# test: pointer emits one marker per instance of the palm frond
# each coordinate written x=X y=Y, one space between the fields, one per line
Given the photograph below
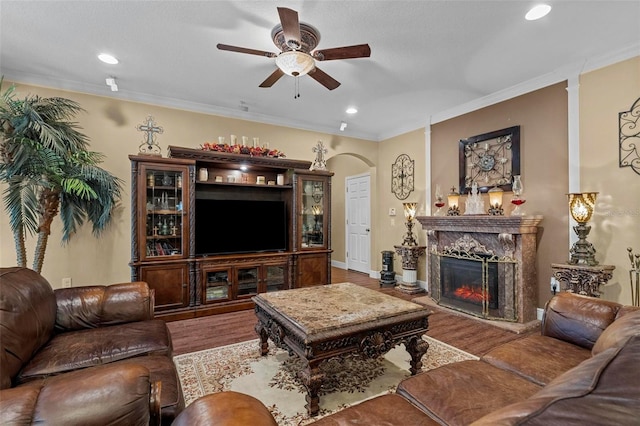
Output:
x=41 y=149
x=21 y=203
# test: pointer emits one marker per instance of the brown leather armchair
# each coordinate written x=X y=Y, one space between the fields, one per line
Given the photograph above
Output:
x=83 y=355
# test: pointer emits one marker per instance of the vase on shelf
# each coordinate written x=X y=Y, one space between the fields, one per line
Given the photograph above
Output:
x=517 y=199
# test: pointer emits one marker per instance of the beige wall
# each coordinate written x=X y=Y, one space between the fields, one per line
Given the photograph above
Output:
x=111 y=124
x=542 y=117
x=604 y=94
x=390 y=230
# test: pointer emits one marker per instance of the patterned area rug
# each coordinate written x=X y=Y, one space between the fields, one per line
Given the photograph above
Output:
x=273 y=380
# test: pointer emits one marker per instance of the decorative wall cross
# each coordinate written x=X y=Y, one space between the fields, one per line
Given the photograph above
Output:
x=319 y=163
x=149 y=144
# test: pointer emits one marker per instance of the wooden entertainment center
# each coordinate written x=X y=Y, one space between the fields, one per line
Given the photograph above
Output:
x=215 y=267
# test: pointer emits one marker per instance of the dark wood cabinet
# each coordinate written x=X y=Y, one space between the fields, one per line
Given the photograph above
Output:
x=313 y=269
x=170 y=282
x=188 y=265
x=228 y=280
x=312 y=243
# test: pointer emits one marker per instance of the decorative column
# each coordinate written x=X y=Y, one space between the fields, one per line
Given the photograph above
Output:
x=410 y=255
x=582 y=279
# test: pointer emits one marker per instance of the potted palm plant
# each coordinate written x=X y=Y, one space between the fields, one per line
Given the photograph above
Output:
x=48 y=169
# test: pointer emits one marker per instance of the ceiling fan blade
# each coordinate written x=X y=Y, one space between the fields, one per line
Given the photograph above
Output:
x=290 y=27
x=275 y=76
x=346 y=52
x=245 y=50
x=323 y=78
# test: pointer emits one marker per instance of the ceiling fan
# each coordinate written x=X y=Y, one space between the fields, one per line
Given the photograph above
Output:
x=296 y=41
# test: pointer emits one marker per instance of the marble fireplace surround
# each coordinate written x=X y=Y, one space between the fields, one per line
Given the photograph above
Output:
x=511 y=238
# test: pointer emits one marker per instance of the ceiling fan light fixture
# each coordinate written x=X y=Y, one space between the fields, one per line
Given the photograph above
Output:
x=295 y=63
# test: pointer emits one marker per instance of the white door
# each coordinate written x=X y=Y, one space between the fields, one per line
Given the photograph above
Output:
x=358 y=223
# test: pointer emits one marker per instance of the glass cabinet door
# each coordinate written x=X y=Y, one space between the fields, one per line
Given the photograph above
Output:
x=247 y=281
x=164 y=221
x=313 y=209
x=217 y=286
x=275 y=277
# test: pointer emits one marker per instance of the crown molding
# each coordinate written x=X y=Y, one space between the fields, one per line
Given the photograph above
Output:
x=556 y=76
x=128 y=95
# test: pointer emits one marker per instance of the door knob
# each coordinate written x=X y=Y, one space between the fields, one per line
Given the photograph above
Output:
x=367 y=229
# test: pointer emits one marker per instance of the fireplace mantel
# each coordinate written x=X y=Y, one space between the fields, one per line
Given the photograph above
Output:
x=482 y=223
x=511 y=239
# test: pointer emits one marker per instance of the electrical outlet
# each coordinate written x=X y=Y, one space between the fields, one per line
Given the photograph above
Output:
x=555 y=285
x=392 y=211
x=66 y=282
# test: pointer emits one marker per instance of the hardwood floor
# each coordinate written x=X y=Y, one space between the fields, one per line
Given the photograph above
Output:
x=213 y=331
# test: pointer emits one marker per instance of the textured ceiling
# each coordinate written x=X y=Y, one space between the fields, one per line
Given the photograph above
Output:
x=426 y=56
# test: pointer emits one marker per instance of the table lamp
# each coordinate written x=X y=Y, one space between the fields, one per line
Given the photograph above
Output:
x=409 y=214
x=581 y=208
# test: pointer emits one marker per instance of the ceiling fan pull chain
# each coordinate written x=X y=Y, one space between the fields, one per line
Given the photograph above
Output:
x=296 y=88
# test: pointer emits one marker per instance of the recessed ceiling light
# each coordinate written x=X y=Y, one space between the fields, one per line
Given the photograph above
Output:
x=352 y=110
x=537 y=12
x=108 y=59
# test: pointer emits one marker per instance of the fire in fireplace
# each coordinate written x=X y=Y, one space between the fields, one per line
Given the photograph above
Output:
x=469 y=284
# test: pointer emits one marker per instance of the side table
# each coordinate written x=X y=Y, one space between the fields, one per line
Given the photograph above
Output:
x=582 y=279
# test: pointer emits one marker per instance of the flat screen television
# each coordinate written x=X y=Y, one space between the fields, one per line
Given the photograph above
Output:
x=240 y=226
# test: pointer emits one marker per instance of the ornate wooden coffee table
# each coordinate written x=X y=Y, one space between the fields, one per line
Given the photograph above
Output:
x=319 y=323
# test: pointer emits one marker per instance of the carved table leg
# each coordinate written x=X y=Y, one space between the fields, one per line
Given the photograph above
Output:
x=416 y=348
x=264 y=336
x=312 y=380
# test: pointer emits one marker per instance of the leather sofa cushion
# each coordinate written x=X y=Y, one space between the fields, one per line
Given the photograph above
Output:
x=27 y=316
x=99 y=396
x=96 y=306
x=603 y=390
x=577 y=319
x=225 y=408
x=537 y=358
x=389 y=409
x=459 y=393
x=17 y=404
x=85 y=348
x=161 y=369
x=618 y=332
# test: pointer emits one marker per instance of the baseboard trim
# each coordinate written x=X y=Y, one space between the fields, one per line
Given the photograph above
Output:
x=339 y=265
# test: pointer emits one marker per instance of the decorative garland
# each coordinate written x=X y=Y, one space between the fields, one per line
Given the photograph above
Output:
x=254 y=151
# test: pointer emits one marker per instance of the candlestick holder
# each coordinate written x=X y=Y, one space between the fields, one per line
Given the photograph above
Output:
x=439 y=202
x=517 y=199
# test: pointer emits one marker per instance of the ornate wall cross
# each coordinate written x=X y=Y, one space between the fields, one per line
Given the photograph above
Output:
x=149 y=144
x=319 y=163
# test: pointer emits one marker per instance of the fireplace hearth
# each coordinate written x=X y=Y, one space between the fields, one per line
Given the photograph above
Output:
x=483 y=265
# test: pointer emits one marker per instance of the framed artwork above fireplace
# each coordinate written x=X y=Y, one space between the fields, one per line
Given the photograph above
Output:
x=490 y=160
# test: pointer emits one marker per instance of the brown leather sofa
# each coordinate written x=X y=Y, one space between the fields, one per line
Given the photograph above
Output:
x=83 y=355
x=583 y=368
